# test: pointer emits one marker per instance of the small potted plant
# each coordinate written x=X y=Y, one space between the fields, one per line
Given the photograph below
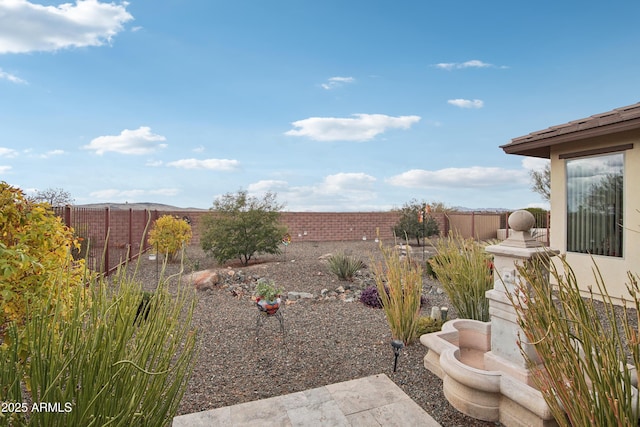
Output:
x=268 y=297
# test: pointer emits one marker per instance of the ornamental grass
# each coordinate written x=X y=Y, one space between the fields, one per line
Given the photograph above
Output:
x=104 y=362
x=400 y=301
x=585 y=379
x=465 y=271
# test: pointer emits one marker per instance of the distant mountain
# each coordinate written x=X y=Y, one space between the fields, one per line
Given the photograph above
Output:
x=137 y=206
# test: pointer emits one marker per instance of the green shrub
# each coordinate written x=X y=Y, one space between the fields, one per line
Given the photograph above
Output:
x=465 y=271
x=101 y=363
x=241 y=226
x=169 y=235
x=427 y=325
x=399 y=283
x=35 y=254
x=344 y=266
x=585 y=380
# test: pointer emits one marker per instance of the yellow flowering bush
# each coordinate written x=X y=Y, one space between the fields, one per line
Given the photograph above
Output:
x=36 y=262
x=169 y=234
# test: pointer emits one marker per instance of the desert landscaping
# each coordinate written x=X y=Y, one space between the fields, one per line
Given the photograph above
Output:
x=329 y=337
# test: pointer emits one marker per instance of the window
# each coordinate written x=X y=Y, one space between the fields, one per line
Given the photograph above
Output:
x=595 y=204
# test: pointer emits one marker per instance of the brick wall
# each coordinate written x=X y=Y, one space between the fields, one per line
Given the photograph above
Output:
x=126 y=227
x=319 y=226
x=322 y=226
x=348 y=226
x=332 y=226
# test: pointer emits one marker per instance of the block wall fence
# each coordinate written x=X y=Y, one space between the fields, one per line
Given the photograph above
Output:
x=343 y=226
x=126 y=228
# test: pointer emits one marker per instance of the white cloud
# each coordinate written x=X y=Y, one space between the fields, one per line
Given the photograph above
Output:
x=4 y=168
x=10 y=77
x=164 y=192
x=138 y=141
x=346 y=182
x=116 y=195
x=534 y=163
x=8 y=152
x=51 y=153
x=342 y=191
x=28 y=27
x=466 y=103
x=211 y=164
x=154 y=163
x=475 y=176
x=268 y=185
x=474 y=63
x=362 y=127
x=335 y=82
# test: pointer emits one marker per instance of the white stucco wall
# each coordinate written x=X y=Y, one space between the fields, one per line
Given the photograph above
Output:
x=613 y=269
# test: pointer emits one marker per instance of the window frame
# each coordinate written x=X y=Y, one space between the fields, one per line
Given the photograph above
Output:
x=593 y=224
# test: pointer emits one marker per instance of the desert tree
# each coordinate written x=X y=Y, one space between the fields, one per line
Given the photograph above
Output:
x=415 y=223
x=240 y=226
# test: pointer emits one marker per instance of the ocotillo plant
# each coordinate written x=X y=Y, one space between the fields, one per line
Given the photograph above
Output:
x=584 y=376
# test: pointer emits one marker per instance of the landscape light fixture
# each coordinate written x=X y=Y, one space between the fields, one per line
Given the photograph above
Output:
x=397 y=345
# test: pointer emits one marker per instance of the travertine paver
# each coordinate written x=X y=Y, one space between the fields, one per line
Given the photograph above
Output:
x=370 y=401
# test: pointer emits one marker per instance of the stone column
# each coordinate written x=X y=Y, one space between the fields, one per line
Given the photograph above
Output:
x=518 y=249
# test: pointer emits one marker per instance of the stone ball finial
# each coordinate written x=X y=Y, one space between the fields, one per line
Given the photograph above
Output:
x=521 y=220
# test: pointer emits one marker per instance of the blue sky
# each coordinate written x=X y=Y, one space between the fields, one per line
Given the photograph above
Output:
x=334 y=105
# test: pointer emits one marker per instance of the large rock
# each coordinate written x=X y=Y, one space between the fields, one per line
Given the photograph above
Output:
x=206 y=279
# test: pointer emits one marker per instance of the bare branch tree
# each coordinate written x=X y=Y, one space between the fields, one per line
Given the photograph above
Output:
x=53 y=196
x=541 y=181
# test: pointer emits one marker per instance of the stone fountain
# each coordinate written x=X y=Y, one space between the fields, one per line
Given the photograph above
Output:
x=483 y=372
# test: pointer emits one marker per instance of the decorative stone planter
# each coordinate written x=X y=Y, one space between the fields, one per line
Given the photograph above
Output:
x=269 y=307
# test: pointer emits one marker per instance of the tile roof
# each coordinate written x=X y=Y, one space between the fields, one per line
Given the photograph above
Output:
x=537 y=144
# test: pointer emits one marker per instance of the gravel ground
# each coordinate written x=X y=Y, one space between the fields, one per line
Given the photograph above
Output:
x=327 y=340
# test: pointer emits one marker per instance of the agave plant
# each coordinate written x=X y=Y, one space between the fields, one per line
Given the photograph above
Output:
x=345 y=266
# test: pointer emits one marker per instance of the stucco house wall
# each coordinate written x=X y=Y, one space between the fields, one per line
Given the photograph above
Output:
x=619 y=128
